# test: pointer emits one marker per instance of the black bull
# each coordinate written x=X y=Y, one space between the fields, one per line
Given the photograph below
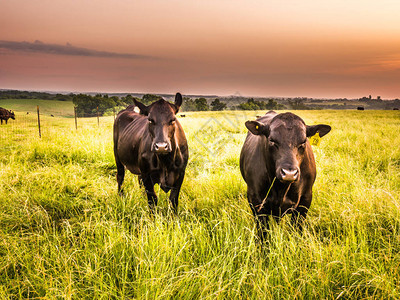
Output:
x=153 y=145
x=277 y=152
x=6 y=114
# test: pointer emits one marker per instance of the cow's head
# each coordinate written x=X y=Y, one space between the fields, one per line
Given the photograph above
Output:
x=287 y=142
x=12 y=115
x=162 y=122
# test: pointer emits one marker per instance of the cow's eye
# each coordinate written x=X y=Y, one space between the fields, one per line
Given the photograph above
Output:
x=272 y=143
x=302 y=146
x=151 y=121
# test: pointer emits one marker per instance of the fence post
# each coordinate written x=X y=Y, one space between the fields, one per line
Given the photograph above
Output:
x=98 y=121
x=76 y=120
x=38 y=117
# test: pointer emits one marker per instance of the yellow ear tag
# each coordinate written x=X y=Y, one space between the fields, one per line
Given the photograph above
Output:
x=315 y=140
x=257 y=127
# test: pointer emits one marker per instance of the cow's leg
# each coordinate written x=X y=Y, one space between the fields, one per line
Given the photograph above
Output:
x=151 y=194
x=300 y=213
x=298 y=217
x=276 y=214
x=174 y=195
x=1 y=121
x=262 y=225
x=260 y=215
x=120 y=175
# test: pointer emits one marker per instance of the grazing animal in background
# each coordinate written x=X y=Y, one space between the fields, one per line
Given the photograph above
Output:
x=277 y=156
x=360 y=108
x=152 y=144
x=6 y=114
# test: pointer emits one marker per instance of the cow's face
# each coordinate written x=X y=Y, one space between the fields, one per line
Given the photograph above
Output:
x=161 y=116
x=286 y=143
x=12 y=115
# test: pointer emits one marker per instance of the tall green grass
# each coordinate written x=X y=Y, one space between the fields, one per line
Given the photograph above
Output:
x=65 y=233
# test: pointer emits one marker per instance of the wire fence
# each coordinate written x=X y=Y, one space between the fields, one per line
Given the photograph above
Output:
x=208 y=133
x=39 y=124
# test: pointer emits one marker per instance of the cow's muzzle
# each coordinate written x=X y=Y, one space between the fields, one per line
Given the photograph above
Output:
x=162 y=148
x=289 y=175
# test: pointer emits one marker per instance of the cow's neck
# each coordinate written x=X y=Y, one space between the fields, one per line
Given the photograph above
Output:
x=167 y=161
x=280 y=190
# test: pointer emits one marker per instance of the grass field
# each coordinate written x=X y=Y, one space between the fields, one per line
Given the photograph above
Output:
x=47 y=107
x=65 y=233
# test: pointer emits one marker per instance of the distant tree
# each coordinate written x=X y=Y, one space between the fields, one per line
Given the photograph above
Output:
x=61 y=97
x=271 y=104
x=89 y=105
x=201 y=104
x=297 y=103
x=365 y=99
x=150 y=98
x=252 y=104
x=128 y=99
x=217 y=105
x=188 y=104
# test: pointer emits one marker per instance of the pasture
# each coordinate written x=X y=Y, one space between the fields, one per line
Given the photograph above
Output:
x=56 y=108
x=65 y=233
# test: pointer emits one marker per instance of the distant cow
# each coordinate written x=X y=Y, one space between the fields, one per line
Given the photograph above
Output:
x=395 y=108
x=153 y=145
x=360 y=108
x=277 y=153
x=6 y=114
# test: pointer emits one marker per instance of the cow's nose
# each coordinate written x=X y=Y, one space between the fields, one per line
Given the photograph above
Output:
x=161 y=147
x=289 y=175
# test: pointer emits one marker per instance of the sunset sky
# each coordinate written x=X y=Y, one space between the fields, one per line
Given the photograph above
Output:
x=255 y=48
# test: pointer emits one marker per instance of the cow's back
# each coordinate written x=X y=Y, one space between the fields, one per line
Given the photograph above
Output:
x=267 y=118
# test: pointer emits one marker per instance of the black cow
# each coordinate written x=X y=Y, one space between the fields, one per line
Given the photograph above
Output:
x=6 y=114
x=277 y=152
x=153 y=145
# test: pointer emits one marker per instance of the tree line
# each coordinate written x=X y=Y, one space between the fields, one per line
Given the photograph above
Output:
x=16 y=94
x=88 y=106
x=91 y=105
x=103 y=104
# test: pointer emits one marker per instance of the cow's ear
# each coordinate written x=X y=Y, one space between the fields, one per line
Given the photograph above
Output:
x=144 y=110
x=178 y=102
x=257 y=128
x=322 y=129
